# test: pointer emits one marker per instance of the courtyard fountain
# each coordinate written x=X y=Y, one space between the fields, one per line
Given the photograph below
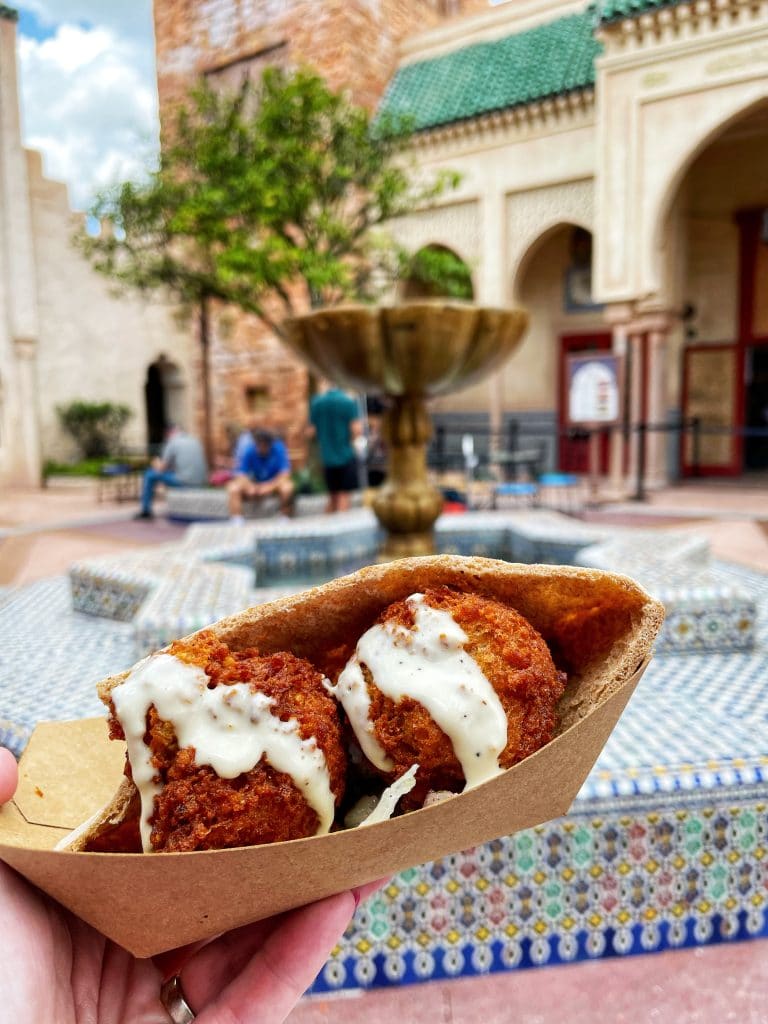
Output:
x=408 y=353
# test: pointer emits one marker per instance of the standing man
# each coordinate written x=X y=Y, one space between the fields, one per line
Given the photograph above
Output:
x=181 y=464
x=264 y=469
x=335 y=421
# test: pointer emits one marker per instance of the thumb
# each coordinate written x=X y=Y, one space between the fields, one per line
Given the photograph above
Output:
x=9 y=775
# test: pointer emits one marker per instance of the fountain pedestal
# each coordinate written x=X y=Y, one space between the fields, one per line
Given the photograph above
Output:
x=408 y=353
x=407 y=504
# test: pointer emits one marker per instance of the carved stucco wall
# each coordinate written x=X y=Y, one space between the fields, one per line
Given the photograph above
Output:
x=532 y=214
x=659 y=109
x=456 y=226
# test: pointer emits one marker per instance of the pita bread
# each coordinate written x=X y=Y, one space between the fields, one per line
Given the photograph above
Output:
x=600 y=627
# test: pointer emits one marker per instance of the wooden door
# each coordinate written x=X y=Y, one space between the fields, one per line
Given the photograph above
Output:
x=573 y=449
x=713 y=394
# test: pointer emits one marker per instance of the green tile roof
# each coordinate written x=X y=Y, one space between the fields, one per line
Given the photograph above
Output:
x=614 y=10
x=544 y=61
x=9 y=13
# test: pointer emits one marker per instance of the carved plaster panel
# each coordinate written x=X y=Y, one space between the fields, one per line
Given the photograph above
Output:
x=456 y=226
x=530 y=214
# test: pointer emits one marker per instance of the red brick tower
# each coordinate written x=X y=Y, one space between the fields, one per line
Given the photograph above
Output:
x=354 y=44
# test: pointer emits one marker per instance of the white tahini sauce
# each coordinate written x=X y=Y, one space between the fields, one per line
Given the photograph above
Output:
x=387 y=802
x=230 y=727
x=429 y=664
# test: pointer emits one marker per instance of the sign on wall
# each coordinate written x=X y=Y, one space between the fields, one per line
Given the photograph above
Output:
x=593 y=388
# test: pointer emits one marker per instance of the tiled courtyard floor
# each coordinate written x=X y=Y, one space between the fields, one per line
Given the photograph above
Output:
x=41 y=533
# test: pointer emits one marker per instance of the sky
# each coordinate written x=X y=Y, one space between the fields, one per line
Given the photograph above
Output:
x=87 y=90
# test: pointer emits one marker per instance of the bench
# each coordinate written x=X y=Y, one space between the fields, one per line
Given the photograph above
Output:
x=118 y=481
x=200 y=503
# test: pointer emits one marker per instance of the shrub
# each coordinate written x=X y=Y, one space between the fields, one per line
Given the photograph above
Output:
x=95 y=426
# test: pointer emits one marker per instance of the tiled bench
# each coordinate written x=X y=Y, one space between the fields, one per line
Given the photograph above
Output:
x=203 y=503
x=702 y=614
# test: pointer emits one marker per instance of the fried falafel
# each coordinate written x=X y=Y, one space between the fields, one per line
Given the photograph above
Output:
x=267 y=763
x=459 y=684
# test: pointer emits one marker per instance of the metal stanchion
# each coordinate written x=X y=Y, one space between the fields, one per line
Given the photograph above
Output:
x=642 y=431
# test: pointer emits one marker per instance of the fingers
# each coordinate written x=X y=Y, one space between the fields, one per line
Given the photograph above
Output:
x=9 y=775
x=207 y=972
x=208 y=968
x=363 y=892
x=278 y=973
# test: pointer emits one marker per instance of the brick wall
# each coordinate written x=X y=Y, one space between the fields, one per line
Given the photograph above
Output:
x=354 y=44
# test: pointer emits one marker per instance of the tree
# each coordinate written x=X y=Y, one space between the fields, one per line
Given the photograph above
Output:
x=265 y=199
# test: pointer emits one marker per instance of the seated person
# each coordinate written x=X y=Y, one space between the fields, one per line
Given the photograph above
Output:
x=181 y=464
x=245 y=441
x=263 y=470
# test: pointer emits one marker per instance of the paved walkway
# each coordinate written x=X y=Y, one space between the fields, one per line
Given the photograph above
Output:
x=734 y=517
x=709 y=985
x=42 y=532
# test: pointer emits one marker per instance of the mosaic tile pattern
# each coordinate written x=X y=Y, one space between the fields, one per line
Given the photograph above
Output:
x=707 y=617
x=189 y=597
x=663 y=848
x=51 y=659
x=594 y=884
x=674 y=565
x=222 y=542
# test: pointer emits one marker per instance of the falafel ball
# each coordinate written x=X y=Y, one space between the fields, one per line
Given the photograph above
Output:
x=509 y=652
x=197 y=809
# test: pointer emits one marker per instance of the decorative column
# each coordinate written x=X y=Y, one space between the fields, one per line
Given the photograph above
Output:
x=634 y=403
x=656 y=474
x=18 y=288
x=492 y=289
x=616 y=465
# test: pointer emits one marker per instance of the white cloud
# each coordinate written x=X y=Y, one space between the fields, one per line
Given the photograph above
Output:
x=88 y=95
x=126 y=18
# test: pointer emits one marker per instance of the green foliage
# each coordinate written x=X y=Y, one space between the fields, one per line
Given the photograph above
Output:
x=435 y=271
x=95 y=426
x=84 y=467
x=265 y=199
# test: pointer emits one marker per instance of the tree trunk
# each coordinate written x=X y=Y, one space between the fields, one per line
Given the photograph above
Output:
x=205 y=379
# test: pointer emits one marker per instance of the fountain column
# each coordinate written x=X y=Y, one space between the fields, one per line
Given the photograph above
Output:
x=407 y=504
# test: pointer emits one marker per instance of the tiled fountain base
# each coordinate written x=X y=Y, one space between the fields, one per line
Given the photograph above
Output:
x=170 y=590
x=665 y=846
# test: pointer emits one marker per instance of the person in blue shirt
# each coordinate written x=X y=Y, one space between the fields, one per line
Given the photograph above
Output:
x=263 y=470
x=335 y=420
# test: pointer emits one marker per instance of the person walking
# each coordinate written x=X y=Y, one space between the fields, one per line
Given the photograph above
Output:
x=181 y=464
x=335 y=421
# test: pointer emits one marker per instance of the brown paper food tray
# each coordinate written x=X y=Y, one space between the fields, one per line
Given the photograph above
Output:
x=149 y=903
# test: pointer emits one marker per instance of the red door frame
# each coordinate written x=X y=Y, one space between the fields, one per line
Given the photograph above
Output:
x=598 y=341
x=749 y=222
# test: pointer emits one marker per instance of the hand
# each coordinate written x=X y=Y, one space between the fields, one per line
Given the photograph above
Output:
x=54 y=967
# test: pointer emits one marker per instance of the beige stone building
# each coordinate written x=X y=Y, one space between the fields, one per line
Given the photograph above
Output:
x=613 y=160
x=63 y=334
x=614 y=181
x=639 y=133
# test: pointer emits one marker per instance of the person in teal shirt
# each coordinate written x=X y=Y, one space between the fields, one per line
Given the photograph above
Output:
x=335 y=421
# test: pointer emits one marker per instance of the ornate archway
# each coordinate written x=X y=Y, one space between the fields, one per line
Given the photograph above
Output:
x=437 y=270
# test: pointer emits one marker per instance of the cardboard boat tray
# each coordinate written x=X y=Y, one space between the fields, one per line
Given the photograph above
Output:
x=599 y=624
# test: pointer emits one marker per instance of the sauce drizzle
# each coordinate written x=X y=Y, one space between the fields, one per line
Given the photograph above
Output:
x=230 y=728
x=428 y=664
